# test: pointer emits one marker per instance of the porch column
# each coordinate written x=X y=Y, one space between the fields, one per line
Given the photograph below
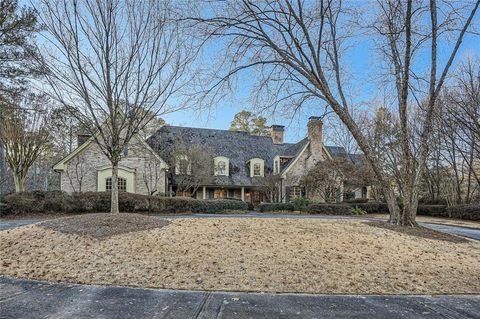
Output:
x=243 y=194
x=204 y=189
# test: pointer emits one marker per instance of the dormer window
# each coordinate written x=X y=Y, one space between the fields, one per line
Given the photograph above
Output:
x=276 y=165
x=257 y=167
x=182 y=165
x=221 y=168
x=221 y=165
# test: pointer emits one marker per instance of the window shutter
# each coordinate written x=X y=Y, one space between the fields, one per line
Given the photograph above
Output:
x=287 y=194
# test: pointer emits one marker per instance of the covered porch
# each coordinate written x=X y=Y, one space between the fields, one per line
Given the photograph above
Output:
x=246 y=194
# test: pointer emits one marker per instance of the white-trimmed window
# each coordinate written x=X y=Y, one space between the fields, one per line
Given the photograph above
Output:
x=257 y=167
x=122 y=184
x=182 y=165
x=295 y=192
x=221 y=166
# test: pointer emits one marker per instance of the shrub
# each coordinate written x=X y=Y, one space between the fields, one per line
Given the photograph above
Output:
x=300 y=203
x=275 y=207
x=431 y=210
x=329 y=209
x=358 y=212
x=371 y=207
x=466 y=211
x=428 y=201
x=94 y=202
x=357 y=200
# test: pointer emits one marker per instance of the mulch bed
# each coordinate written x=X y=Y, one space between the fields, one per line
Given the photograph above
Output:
x=420 y=231
x=104 y=225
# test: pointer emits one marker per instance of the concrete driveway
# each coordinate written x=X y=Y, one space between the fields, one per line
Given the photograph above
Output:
x=35 y=299
x=7 y=223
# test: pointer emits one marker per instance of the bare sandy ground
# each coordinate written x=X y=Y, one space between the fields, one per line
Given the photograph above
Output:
x=274 y=255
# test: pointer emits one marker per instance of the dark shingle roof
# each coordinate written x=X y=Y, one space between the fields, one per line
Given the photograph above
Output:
x=238 y=147
x=357 y=159
x=338 y=151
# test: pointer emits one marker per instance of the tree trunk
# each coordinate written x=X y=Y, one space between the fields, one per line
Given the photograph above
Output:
x=19 y=180
x=114 y=202
x=410 y=205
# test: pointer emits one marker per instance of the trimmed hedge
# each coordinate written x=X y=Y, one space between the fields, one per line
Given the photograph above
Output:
x=371 y=207
x=94 y=202
x=275 y=207
x=324 y=209
x=329 y=209
x=467 y=211
x=431 y=210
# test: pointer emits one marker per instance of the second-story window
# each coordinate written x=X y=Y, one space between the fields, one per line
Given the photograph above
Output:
x=183 y=166
x=221 y=164
x=257 y=171
x=221 y=168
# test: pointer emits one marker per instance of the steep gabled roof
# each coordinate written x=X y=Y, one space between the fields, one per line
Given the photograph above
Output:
x=338 y=151
x=238 y=147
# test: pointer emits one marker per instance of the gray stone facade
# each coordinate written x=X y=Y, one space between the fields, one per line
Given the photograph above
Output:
x=312 y=153
x=81 y=172
x=146 y=162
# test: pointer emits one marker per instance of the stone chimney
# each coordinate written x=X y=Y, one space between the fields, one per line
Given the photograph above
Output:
x=82 y=138
x=315 y=135
x=276 y=132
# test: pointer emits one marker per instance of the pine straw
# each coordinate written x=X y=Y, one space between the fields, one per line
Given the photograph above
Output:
x=274 y=255
x=104 y=225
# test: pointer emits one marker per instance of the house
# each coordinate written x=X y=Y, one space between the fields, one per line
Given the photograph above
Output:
x=242 y=162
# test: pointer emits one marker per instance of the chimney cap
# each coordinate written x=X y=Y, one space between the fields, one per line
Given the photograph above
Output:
x=315 y=118
x=276 y=127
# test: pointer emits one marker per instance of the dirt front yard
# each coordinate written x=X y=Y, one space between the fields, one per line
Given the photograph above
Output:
x=274 y=255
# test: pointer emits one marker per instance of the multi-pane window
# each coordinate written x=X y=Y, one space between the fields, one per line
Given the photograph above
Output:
x=122 y=184
x=295 y=192
x=256 y=169
x=276 y=167
x=183 y=166
x=221 y=168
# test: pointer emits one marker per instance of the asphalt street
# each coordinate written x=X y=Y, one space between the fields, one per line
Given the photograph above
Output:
x=34 y=299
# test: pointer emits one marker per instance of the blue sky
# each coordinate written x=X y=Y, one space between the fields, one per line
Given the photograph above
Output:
x=361 y=62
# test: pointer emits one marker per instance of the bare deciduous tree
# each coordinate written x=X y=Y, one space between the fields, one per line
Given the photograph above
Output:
x=152 y=175
x=118 y=63
x=23 y=134
x=193 y=168
x=77 y=169
x=270 y=186
x=298 y=50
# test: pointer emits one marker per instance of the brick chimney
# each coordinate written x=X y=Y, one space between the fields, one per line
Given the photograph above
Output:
x=315 y=135
x=82 y=138
x=276 y=132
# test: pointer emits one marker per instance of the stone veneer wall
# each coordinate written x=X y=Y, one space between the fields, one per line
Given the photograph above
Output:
x=92 y=158
x=307 y=160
